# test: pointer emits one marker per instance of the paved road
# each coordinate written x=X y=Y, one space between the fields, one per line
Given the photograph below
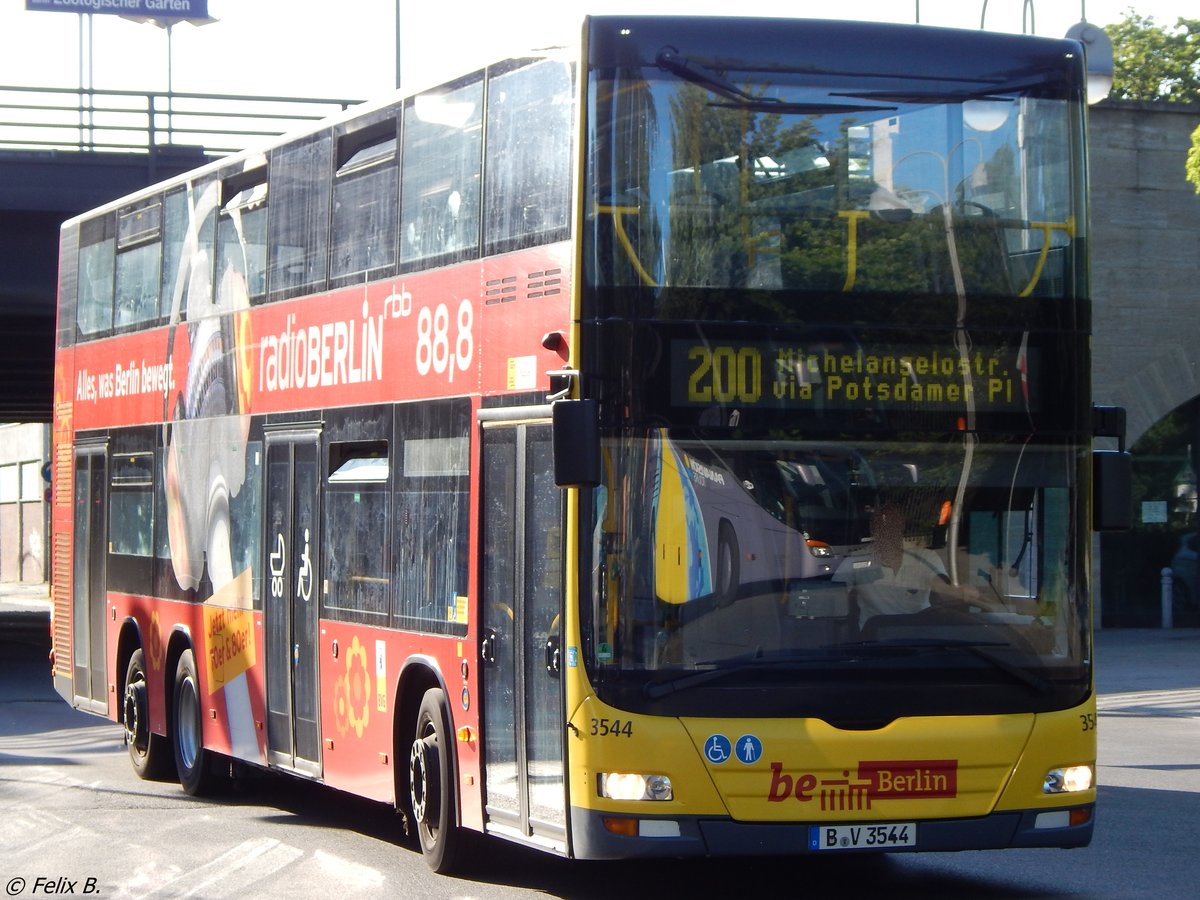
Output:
x=70 y=806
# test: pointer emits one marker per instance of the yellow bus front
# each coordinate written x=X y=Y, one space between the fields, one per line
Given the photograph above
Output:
x=831 y=592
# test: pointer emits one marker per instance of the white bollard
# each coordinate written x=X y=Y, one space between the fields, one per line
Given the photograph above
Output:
x=1168 y=589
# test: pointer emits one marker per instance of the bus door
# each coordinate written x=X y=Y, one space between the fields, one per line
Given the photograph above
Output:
x=292 y=563
x=521 y=522
x=89 y=589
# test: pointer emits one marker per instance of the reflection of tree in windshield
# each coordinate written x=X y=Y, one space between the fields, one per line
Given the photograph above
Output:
x=770 y=184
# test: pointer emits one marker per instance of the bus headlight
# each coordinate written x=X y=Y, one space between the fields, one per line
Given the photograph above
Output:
x=1068 y=780
x=628 y=786
x=819 y=549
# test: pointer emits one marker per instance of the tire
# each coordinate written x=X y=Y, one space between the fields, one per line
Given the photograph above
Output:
x=193 y=763
x=431 y=784
x=728 y=573
x=147 y=750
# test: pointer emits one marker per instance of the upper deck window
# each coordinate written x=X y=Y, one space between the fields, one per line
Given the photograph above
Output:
x=299 y=223
x=241 y=258
x=439 y=196
x=97 y=250
x=530 y=120
x=779 y=169
x=139 y=264
x=174 y=236
x=365 y=200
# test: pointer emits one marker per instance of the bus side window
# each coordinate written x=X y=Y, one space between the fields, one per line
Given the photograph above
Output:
x=241 y=253
x=439 y=193
x=131 y=513
x=174 y=236
x=527 y=164
x=97 y=251
x=189 y=245
x=299 y=223
x=432 y=509
x=357 y=517
x=365 y=191
x=139 y=265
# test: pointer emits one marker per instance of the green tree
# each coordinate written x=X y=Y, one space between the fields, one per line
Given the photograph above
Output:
x=1153 y=62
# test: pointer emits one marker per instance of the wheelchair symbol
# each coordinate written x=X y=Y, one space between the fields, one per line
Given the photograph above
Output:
x=304 y=580
x=717 y=749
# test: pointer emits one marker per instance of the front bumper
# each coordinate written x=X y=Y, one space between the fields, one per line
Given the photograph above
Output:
x=659 y=837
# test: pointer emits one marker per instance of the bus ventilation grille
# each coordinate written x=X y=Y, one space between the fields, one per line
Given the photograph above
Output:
x=547 y=283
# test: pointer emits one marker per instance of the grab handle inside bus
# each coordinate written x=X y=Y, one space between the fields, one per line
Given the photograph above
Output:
x=576 y=443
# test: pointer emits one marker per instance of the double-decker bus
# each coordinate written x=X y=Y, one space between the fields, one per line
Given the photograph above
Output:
x=513 y=452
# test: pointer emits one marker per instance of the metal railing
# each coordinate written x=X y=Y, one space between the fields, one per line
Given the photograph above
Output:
x=40 y=118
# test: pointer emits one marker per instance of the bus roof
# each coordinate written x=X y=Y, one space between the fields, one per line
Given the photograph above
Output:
x=941 y=55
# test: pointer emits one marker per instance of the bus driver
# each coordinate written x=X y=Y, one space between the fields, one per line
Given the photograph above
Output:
x=902 y=578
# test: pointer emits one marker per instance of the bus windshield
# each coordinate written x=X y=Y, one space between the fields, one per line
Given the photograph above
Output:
x=834 y=318
x=789 y=561
x=729 y=172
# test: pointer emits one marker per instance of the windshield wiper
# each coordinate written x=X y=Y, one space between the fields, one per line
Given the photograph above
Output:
x=670 y=59
x=978 y=649
x=656 y=690
x=988 y=91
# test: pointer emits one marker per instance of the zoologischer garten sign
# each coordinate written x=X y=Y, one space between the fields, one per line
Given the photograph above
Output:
x=156 y=9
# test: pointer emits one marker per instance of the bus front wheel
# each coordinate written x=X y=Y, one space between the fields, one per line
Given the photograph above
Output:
x=431 y=785
x=147 y=750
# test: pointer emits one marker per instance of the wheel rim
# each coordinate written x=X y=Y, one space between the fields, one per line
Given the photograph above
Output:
x=189 y=724
x=423 y=766
x=135 y=703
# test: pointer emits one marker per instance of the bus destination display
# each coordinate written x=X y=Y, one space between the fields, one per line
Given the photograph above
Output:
x=847 y=376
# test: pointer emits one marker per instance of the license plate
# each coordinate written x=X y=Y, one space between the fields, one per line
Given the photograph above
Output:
x=862 y=837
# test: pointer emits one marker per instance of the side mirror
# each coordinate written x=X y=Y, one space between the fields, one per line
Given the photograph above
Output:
x=1112 y=490
x=1112 y=473
x=576 y=443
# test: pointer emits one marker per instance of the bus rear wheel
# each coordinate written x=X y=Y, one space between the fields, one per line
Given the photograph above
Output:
x=147 y=750
x=431 y=785
x=192 y=762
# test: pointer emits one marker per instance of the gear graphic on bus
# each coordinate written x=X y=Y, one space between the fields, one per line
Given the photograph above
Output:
x=341 y=706
x=358 y=687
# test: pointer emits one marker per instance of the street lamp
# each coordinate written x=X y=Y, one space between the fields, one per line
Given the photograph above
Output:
x=1098 y=53
x=166 y=24
x=1027 y=25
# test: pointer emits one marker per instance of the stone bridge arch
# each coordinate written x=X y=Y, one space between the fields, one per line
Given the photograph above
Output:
x=1145 y=245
